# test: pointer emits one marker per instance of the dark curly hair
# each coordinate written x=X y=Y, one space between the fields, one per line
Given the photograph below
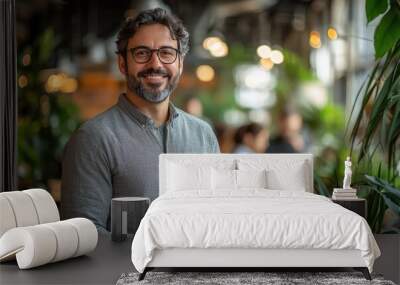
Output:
x=148 y=17
x=251 y=128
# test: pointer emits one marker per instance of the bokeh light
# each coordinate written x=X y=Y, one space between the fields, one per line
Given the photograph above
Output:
x=26 y=59
x=22 y=81
x=218 y=49
x=277 y=56
x=315 y=39
x=205 y=73
x=210 y=41
x=332 y=34
x=264 y=51
x=266 y=63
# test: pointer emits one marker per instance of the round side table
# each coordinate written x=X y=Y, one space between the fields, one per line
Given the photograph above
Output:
x=126 y=214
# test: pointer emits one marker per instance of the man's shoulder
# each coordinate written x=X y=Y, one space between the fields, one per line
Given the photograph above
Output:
x=193 y=121
x=97 y=128
x=100 y=122
x=198 y=132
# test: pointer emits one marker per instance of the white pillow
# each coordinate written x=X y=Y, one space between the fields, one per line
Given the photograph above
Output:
x=226 y=179
x=289 y=179
x=223 y=179
x=282 y=174
x=251 y=178
x=183 y=178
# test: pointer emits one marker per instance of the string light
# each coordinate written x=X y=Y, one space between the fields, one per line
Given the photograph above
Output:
x=210 y=41
x=332 y=33
x=266 y=63
x=315 y=39
x=26 y=59
x=205 y=73
x=61 y=82
x=264 y=51
x=219 y=49
x=277 y=56
x=22 y=81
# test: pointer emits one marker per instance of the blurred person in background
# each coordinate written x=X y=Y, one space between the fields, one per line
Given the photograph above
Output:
x=289 y=138
x=251 y=138
x=194 y=106
x=224 y=135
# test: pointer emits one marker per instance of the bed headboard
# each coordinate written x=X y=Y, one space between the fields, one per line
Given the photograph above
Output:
x=215 y=159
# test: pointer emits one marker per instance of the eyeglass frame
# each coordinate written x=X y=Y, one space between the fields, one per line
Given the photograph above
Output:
x=132 y=50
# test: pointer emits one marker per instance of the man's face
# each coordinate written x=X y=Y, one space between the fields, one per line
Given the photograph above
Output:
x=154 y=81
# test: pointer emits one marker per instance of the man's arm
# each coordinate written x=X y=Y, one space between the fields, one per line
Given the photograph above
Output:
x=86 y=180
x=214 y=145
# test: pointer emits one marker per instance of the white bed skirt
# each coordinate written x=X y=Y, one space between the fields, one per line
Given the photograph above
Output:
x=193 y=257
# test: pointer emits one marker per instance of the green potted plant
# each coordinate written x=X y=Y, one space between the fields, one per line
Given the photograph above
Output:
x=375 y=133
x=46 y=118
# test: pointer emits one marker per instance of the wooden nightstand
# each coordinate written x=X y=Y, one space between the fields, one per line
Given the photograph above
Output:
x=358 y=205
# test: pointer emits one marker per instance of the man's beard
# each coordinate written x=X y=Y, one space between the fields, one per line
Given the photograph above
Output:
x=149 y=94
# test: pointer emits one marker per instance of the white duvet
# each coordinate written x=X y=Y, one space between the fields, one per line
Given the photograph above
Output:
x=253 y=218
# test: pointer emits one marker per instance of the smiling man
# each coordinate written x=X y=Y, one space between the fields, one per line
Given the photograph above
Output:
x=116 y=153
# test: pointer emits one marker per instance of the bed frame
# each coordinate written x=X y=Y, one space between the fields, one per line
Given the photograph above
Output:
x=248 y=259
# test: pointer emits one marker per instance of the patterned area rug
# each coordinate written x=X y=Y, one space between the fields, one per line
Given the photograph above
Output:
x=229 y=278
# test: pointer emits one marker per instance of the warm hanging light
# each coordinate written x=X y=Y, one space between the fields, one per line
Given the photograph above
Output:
x=266 y=63
x=26 y=59
x=61 y=82
x=22 y=81
x=219 y=49
x=205 y=73
x=277 y=56
x=69 y=85
x=210 y=41
x=315 y=39
x=264 y=51
x=332 y=33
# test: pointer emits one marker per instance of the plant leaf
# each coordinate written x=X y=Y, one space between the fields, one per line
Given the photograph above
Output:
x=383 y=184
x=392 y=205
x=320 y=186
x=374 y=8
x=393 y=136
x=391 y=230
x=379 y=106
x=370 y=89
x=388 y=31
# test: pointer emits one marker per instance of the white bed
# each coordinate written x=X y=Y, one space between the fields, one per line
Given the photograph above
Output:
x=220 y=210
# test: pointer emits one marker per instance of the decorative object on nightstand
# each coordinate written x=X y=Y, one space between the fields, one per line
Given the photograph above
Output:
x=346 y=192
x=357 y=205
x=126 y=214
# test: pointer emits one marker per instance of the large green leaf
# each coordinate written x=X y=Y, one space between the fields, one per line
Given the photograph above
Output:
x=394 y=130
x=370 y=89
x=390 y=195
x=374 y=8
x=379 y=107
x=383 y=184
x=388 y=31
x=391 y=204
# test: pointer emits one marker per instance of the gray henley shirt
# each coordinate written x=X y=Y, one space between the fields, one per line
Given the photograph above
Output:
x=116 y=154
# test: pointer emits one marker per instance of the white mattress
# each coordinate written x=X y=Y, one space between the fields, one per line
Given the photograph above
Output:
x=252 y=218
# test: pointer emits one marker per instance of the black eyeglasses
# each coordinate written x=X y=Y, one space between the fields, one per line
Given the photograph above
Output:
x=143 y=54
